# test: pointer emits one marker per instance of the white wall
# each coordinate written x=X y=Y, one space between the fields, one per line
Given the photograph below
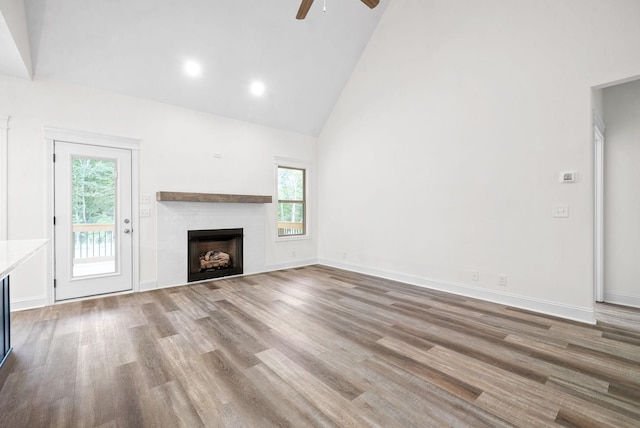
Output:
x=177 y=154
x=621 y=196
x=443 y=154
x=597 y=102
x=14 y=39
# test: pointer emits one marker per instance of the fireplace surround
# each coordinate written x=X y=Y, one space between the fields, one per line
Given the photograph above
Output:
x=176 y=218
x=214 y=253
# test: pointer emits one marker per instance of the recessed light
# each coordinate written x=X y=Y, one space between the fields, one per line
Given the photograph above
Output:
x=257 y=88
x=192 y=68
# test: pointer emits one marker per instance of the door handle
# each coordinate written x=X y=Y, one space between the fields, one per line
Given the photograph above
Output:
x=127 y=231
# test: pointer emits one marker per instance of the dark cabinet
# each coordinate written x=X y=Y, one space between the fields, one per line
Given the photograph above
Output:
x=5 y=320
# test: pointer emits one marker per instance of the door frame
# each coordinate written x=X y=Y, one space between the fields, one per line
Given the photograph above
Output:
x=80 y=137
x=598 y=147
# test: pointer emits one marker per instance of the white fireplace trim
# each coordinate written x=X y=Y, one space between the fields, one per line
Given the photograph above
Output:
x=174 y=219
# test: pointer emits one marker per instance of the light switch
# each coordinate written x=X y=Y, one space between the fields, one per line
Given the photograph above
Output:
x=145 y=212
x=145 y=199
x=561 y=211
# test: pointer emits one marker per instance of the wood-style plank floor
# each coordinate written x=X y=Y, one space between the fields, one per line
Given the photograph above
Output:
x=313 y=347
x=616 y=315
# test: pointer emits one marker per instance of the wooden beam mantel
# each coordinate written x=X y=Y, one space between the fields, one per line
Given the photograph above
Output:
x=212 y=197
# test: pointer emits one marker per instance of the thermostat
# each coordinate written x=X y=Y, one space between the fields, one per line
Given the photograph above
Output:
x=569 y=177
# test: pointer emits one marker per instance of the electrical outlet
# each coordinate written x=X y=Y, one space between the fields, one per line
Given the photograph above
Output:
x=145 y=199
x=502 y=279
x=145 y=212
x=293 y=254
x=344 y=255
x=475 y=275
x=561 y=211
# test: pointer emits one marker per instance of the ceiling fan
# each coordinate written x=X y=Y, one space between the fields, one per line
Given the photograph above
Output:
x=306 y=5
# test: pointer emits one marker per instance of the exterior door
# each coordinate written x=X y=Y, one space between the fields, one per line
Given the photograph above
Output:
x=92 y=212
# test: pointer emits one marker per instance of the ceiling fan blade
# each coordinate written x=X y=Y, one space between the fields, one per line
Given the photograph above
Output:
x=371 y=3
x=304 y=8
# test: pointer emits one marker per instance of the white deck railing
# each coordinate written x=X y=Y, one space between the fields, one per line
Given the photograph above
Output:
x=93 y=242
x=288 y=228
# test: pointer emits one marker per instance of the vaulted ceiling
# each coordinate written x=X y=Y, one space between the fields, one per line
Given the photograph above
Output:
x=139 y=48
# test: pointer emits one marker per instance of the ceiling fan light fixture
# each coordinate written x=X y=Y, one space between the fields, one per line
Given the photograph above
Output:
x=305 y=5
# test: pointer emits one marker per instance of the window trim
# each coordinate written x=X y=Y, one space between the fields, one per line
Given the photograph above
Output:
x=282 y=162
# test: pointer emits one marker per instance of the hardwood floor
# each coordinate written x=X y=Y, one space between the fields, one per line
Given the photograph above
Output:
x=313 y=347
x=618 y=316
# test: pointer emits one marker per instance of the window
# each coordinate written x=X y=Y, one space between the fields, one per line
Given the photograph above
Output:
x=291 y=201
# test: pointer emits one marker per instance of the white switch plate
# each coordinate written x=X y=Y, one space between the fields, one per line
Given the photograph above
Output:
x=502 y=279
x=475 y=275
x=145 y=212
x=145 y=199
x=561 y=211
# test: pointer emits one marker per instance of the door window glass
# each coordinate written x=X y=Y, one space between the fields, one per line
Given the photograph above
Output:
x=93 y=212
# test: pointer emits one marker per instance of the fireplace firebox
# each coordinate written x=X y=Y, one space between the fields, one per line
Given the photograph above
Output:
x=214 y=253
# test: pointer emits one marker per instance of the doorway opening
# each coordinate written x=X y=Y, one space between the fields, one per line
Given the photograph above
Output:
x=616 y=200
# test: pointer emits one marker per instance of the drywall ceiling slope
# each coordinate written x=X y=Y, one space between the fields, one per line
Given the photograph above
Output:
x=15 y=55
x=139 y=48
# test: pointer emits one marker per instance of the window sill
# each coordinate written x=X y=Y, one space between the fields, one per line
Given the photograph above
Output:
x=293 y=238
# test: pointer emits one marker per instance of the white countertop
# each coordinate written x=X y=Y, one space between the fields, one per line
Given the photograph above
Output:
x=14 y=252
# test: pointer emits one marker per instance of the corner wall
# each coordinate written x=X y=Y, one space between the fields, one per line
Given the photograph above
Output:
x=443 y=155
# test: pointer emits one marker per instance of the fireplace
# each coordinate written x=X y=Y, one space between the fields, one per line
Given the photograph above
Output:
x=214 y=253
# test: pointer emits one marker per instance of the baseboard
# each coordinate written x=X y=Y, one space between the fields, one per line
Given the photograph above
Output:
x=28 y=303
x=585 y=315
x=148 y=285
x=290 y=265
x=622 y=299
x=575 y=313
